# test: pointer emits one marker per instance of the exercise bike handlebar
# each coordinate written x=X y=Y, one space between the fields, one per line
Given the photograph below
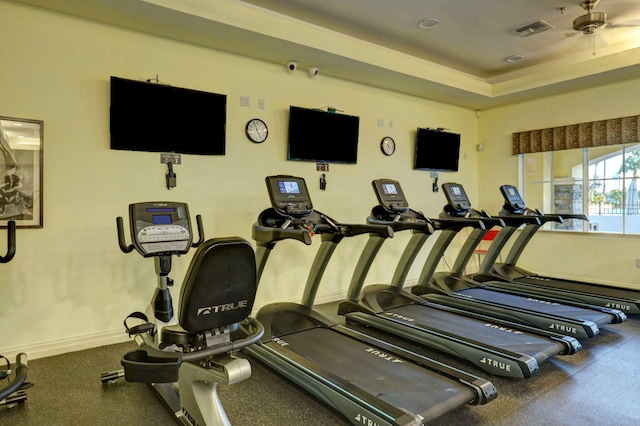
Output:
x=11 y=242
x=121 y=240
x=200 y=232
x=258 y=331
x=21 y=376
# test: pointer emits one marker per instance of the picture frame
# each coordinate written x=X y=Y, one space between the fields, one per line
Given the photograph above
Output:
x=21 y=167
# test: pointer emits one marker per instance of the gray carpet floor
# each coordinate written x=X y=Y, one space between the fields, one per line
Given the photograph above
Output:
x=598 y=386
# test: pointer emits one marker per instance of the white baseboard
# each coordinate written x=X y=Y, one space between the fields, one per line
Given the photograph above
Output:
x=78 y=343
x=72 y=344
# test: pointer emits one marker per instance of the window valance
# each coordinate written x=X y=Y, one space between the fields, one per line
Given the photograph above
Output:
x=584 y=135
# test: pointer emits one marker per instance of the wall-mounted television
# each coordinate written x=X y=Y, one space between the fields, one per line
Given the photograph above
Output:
x=437 y=150
x=321 y=136
x=159 y=118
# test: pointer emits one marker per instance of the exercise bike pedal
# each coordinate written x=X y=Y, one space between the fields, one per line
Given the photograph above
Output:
x=145 y=327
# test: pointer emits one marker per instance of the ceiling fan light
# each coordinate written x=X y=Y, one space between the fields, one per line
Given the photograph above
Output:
x=589 y=22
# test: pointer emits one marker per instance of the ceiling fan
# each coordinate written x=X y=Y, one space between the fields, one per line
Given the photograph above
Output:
x=588 y=23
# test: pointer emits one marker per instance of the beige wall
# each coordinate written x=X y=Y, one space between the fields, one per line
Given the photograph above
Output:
x=69 y=286
x=599 y=258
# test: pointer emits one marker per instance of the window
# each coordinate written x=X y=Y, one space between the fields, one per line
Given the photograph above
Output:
x=601 y=182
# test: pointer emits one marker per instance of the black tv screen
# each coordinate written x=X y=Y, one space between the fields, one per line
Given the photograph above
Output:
x=437 y=150
x=159 y=118
x=320 y=136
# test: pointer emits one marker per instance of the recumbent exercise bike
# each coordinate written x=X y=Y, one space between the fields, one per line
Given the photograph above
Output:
x=195 y=348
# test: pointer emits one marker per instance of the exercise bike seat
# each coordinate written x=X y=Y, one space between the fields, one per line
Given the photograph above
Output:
x=218 y=290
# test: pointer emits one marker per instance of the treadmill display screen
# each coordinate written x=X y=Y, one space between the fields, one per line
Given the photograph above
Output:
x=289 y=195
x=390 y=195
x=456 y=196
x=288 y=187
x=389 y=188
x=512 y=196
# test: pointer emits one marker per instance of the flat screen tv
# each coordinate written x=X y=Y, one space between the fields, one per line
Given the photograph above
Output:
x=437 y=150
x=320 y=136
x=160 y=118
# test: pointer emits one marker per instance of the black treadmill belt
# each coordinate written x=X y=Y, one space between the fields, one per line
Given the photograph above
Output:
x=393 y=380
x=619 y=293
x=567 y=311
x=490 y=334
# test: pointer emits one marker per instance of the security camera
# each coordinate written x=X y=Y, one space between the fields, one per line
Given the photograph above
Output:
x=292 y=65
x=313 y=71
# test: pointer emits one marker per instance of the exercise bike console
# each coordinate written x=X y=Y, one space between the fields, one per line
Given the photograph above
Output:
x=159 y=228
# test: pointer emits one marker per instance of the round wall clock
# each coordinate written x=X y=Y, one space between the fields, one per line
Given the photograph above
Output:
x=388 y=145
x=256 y=130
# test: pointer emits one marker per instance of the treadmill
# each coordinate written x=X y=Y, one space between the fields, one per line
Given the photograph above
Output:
x=456 y=290
x=367 y=380
x=508 y=276
x=498 y=347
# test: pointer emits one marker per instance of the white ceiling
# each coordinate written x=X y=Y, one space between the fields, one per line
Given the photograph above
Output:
x=461 y=61
x=474 y=36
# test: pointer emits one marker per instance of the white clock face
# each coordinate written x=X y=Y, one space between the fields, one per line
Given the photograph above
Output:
x=388 y=146
x=257 y=130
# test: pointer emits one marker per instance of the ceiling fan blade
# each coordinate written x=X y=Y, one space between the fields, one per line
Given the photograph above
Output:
x=626 y=23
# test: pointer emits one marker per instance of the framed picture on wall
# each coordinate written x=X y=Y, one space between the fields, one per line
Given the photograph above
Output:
x=21 y=157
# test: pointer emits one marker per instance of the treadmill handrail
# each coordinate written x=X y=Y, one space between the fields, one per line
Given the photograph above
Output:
x=516 y=220
x=457 y=223
x=422 y=227
x=571 y=216
x=267 y=235
x=349 y=230
x=490 y=222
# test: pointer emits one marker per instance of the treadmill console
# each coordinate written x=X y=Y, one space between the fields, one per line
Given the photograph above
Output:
x=390 y=195
x=457 y=198
x=159 y=228
x=512 y=199
x=289 y=195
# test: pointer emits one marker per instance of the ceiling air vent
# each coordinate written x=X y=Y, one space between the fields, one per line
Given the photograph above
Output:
x=535 y=28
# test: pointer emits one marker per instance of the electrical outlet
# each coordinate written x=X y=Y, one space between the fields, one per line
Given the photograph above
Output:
x=380 y=122
x=245 y=101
